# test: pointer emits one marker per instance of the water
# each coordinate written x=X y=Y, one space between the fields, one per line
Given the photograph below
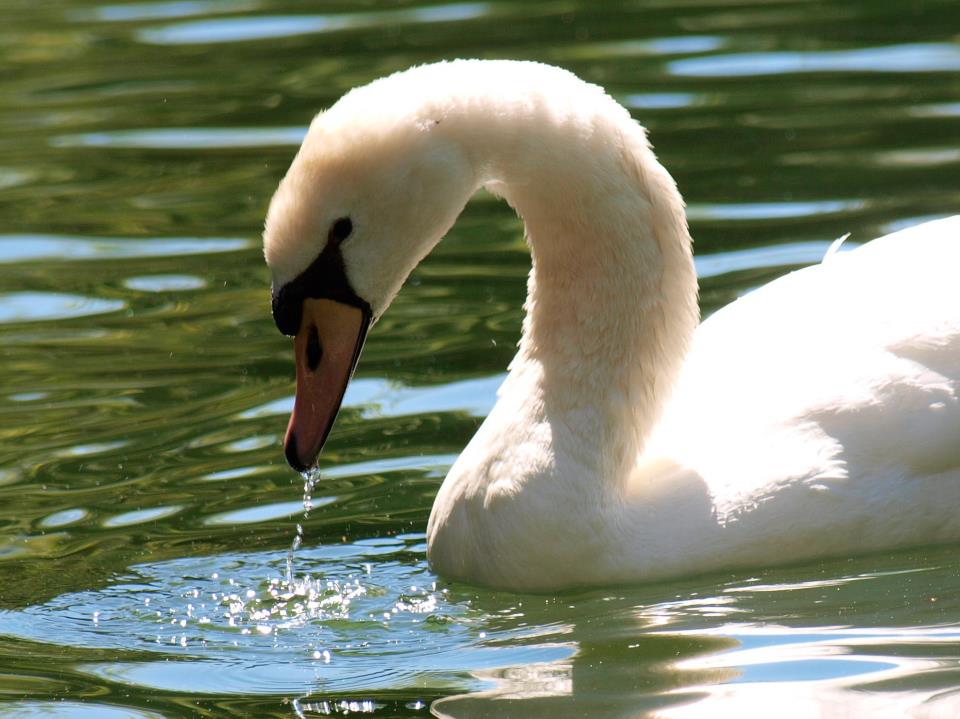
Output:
x=147 y=515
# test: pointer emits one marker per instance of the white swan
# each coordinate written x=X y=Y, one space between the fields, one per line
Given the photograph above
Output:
x=818 y=415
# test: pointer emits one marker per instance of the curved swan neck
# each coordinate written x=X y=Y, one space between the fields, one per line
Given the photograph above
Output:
x=612 y=293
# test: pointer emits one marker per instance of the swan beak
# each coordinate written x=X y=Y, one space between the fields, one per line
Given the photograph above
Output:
x=327 y=348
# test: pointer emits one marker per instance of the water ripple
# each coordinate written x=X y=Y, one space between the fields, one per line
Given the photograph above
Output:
x=264 y=27
x=141 y=516
x=381 y=398
x=917 y=57
x=769 y=210
x=165 y=283
x=164 y=10
x=187 y=138
x=72 y=710
x=654 y=47
x=264 y=512
x=661 y=100
x=64 y=517
x=24 y=248
x=39 y=306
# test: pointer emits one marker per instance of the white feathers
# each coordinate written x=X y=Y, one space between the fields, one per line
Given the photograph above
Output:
x=834 y=247
x=817 y=415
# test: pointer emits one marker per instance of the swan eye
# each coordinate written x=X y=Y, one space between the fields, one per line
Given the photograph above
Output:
x=341 y=230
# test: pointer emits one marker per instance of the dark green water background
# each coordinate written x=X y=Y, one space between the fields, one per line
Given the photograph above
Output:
x=145 y=508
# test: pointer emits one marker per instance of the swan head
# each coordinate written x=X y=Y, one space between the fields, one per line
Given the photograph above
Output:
x=375 y=185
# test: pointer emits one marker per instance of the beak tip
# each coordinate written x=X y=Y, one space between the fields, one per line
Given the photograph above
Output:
x=293 y=456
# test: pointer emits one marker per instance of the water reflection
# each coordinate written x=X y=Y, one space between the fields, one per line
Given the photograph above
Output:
x=771 y=210
x=165 y=283
x=146 y=386
x=729 y=669
x=946 y=109
x=24 y=248
x=37 y=306
x=231 y=625
x=193 y=138
x=137 y=11
x=661 y=46
x=64 y=518
x=265 y=512
x=263 y=27
x=918 y=57
x=799 y=700
x=72 y=710
x=140 y=516
x=661 y=100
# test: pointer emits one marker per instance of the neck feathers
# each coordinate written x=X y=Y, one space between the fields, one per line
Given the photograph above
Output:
x=612 y=299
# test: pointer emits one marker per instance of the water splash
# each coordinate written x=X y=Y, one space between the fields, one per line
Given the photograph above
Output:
x=212 y=611
x=252 y=610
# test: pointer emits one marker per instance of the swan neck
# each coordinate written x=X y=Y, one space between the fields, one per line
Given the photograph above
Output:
x=612 y=302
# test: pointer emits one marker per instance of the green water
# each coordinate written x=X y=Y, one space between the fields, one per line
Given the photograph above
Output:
x=147 y=513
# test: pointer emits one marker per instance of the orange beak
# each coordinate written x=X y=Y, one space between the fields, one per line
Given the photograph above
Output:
x=327 y=348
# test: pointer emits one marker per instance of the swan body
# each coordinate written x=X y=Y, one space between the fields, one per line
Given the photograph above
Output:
x=817 y=415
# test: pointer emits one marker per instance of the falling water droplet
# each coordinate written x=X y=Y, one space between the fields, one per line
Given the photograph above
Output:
x=294 y=546
x=310 y=479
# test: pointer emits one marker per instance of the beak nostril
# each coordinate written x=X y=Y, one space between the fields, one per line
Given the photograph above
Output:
x=314 y=350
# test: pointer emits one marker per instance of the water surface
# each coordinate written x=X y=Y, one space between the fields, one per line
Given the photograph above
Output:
x=147 y=513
